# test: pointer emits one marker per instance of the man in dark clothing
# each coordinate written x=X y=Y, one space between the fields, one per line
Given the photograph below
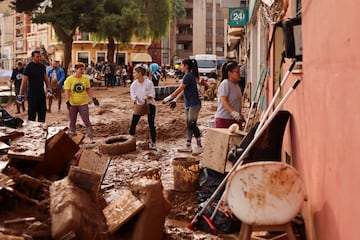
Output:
x=16 y=78
x=35 y=76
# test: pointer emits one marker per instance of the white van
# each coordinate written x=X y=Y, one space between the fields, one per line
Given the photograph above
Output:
x=207 y=65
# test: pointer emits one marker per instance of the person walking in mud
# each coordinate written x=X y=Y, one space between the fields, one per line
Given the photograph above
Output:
x=192 y=104
x=57 y=77
x=34 y=78
x=16 y=78
x=77 y=94
x=142 y=92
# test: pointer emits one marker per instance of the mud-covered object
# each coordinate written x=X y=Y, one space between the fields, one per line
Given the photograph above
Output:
x=224 y=221
x=9 y=121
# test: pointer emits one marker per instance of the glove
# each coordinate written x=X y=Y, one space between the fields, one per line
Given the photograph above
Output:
x=96 y=102
x=20 y=99
x=49 y=92
x=236 y=115
x=167 y=99
x=68 y=104
x=172 y=103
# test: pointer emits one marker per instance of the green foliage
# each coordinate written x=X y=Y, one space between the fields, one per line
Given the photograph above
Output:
x=177 y=10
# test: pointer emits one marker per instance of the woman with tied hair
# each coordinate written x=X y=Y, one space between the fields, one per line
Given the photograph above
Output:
x=77 y=94
x=229 y=97
x=192 y=104
x=142 y=92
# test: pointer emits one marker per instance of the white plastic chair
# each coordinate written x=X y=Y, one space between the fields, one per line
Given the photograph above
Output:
x=265 y=196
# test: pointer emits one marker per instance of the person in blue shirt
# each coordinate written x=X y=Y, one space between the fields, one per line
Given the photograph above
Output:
x=56 y=76
x=192 y=104
x=154 y=72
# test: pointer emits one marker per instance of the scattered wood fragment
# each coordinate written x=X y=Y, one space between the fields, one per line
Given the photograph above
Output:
x=121 y=210
x=19 y=220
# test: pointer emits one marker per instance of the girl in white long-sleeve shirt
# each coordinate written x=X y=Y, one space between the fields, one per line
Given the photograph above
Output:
x=142 y=91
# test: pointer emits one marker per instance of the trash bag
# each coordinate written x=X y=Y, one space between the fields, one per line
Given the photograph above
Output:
x=209 y=180
x=224 y=221
x=9 y=121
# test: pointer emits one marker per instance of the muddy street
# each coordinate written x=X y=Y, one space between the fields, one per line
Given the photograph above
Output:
x=113 y=118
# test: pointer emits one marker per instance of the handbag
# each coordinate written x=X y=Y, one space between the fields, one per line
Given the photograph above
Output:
x=141 y=109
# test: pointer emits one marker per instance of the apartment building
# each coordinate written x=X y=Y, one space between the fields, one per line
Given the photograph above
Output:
x=201 y=31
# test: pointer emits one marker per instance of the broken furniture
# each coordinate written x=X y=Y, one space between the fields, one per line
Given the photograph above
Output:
x=217 y=144
x=265 y=196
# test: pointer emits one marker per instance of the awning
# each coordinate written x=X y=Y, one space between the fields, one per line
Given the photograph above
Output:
x=140 y=57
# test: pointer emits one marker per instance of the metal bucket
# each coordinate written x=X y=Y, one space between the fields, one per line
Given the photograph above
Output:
x=186 y=174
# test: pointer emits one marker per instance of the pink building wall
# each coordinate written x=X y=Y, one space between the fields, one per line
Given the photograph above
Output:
x=325 y=127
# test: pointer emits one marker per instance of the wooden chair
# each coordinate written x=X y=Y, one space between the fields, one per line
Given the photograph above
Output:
x=265 y=196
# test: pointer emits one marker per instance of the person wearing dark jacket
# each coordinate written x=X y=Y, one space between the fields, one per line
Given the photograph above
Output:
x=16 y=78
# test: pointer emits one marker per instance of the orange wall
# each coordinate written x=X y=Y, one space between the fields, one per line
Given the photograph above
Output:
x=326 y=123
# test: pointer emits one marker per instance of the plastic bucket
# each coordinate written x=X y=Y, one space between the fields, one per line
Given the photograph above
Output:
x=186 y=174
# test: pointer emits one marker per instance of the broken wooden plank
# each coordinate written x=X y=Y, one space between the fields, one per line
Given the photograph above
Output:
x=7 y=133
x=3 y=163
x=3 y=146
x=10 y=237
x=19 y=220
x=52 y=131
x=6 y=181
x=60 y=150
x=93 y=161
x=84 y=178
x=22 y=196
x=78 y=137
x=31 y=146
x=121 y=210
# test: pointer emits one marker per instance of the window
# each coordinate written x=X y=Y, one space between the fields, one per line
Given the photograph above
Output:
x=219 y=48
x=219 y=31
x=83 y=57
x=100 y=56
x=179 y=46
x=209 y=31
x=208 y=47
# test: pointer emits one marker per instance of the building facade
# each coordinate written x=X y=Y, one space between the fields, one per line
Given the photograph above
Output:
x=201 y=31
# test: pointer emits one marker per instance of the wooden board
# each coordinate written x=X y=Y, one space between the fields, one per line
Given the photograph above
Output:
x=60 y=150
x=84 y=178
x=52 y=131
x=77 y=138
x=121 y=210
x=93 y=161
x=7 y=133
x=3 y=146
x=32 y=145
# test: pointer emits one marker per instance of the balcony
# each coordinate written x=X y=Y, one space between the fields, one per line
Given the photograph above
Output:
x=184 y=37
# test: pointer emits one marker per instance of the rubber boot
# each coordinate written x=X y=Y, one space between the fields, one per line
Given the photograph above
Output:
x=89 y=133
x=18 y=107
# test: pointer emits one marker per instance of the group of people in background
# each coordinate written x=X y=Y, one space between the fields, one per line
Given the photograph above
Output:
x=32 y=79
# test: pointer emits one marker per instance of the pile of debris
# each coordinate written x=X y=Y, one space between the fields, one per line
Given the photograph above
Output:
x=50 y=188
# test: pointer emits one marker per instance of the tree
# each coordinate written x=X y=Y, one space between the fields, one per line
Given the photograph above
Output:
x=64 y=15
x=122 y=19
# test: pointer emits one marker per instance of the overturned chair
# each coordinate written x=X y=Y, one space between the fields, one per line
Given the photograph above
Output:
x=265 y=196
